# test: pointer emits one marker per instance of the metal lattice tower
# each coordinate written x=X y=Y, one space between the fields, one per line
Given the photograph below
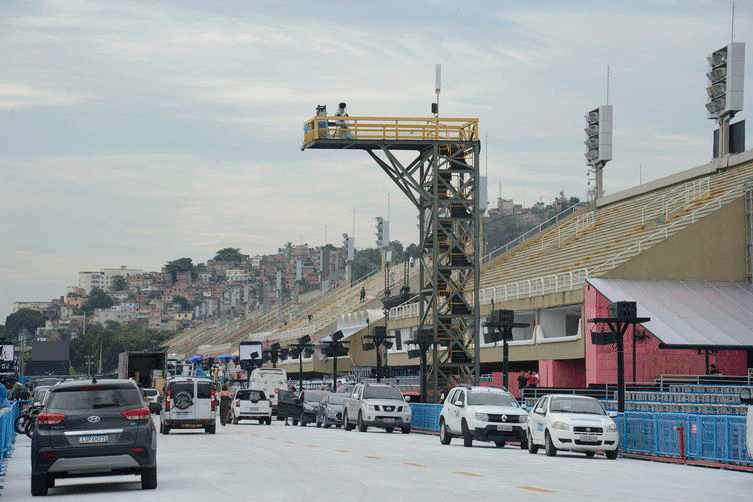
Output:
x=442 y=181
x=748 y=189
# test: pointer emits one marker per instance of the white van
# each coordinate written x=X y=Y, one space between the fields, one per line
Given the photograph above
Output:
x=270 y=381
x=189 y=404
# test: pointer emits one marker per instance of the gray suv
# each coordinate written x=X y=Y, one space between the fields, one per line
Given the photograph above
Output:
x=93 y=428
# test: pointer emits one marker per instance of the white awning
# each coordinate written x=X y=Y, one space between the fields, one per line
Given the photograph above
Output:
x=354 y=322
x=693 y=314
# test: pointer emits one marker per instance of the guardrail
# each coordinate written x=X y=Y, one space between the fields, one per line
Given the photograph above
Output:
x=7 y=433
x=675 y=201
x=425 y=417
x=390 y=128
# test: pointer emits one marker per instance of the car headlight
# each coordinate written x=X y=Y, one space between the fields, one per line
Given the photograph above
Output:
x=561 y=426
x=481 y=417
x=523 y=419
x=370 y=407
x=611 y=428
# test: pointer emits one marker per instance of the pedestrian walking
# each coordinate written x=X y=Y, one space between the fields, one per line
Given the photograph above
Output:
x=363 y=294
x=225 y=399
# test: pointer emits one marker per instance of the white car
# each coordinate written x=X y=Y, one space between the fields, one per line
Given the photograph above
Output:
x=270 y=381
x=575 y=423
x=376 y=405
x=189 y=404
x=484 y=414
x=251 y=404
x=153 y=400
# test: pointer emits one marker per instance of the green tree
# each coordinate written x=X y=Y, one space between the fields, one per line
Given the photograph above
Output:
x=183 y=304
x=412 y=250
x=365 y=261
x=289 y=249
x=180 y=265
x=574 y=200
x=97 y=299
x=23 y=318
x=229 y=254
x=119 y=283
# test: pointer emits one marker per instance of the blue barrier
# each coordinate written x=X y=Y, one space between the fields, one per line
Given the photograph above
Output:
x=425 y=416
x=7 y=433
x=719 y=438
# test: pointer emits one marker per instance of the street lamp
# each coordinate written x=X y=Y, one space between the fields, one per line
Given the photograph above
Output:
x=334 y=348
x=298 y=350
x=424 y=339
x=500 y=325
x=378 y=338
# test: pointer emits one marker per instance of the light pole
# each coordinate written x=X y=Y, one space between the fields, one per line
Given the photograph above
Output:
x=378 y=339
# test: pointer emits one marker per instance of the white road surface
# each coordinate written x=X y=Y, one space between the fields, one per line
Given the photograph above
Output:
x=249 y=462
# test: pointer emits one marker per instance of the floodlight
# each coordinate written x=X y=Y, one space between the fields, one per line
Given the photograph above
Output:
x=304 y=339
x=414 y=353
x=387 y=344
x=284 y=353
x=368 y=346
x=716 y=90
x=717 y=75
x=308 y=352
x=294 y=353
x=337 y=336
x=725 y=74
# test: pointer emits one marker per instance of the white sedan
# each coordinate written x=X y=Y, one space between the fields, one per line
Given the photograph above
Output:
x=568 y=422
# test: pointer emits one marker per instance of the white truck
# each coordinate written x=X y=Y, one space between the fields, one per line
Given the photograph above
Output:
x=270 y=381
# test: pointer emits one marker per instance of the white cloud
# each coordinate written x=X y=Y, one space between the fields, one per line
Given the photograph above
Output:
x=16 y=96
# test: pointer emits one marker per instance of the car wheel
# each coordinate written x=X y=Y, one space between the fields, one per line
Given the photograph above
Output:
x=30 y=426
x=269 y=420
x=406 y=430
x=549 y=446
x=612 y=455
x=361 y=426
x=295 y=421
x=444 y=434
x=261 y=421
x=590 y=453
x=20 y=424
x=235 y=421
x=524 y=444
x=467 y=438
x=389 y=429
x=346 y=422
x=500 y=444
x=211 y=429
x=303 y=424
x=318 y=424
x=38 y=485
x=328 y=425
x=149 y=478
x=532 y=448
x=338 y=425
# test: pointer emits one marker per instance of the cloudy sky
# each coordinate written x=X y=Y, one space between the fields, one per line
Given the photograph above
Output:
x=138 y=132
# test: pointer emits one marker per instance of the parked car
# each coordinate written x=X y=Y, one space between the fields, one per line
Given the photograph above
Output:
x=331 y=410
x=251 y=405
x=289 y=405
x=746 y=397
x=484 y=414
x=310 y=401
x=93 y=428
x=569 y=422
x=376 y=405
x=153 y=399
x=189 y=404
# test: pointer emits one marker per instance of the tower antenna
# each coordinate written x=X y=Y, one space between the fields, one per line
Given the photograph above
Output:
x=732 y=39
x=607 y=84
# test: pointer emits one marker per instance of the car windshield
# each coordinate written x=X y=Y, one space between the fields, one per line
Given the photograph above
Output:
x=176 y=388
x=575 y=405
x=93 y=397
x=250 y=395
x=337 y=399
x=313 y=396
x=488 y=398
x=372 y=392
x=150 y=392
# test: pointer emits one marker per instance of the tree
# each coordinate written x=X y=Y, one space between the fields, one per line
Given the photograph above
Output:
x=289 y=249
x=412 y=250
x=23 y=318
x=229 y=254
x=183 y=304
x=180 y=265
x=119 y=283
x=574 y=200
x=97 y=299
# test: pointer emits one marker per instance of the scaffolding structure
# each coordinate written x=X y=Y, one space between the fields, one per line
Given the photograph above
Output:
x=441 y=179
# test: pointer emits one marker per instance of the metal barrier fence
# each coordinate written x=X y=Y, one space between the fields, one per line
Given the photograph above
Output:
x=719 y=438
x=7 y=435
x=425 y=417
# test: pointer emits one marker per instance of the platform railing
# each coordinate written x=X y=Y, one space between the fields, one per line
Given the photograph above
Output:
x=676 y=200
x=390 y=129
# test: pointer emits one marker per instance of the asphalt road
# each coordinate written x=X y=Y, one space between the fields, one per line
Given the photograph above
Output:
x=257 y=462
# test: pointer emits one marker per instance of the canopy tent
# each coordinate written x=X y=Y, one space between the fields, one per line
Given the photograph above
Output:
x=689 y=314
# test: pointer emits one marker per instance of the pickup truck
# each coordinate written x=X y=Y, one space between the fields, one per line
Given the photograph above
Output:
x=251 y=404
x=377 y=405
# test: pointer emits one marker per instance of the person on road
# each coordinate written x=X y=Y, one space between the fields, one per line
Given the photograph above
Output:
x=363 y=294
x=225 y=399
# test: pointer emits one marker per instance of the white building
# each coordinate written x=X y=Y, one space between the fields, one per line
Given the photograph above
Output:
x=111 y=273
x=90 y=280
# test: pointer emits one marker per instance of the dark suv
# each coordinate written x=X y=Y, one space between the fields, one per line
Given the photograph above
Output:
x=93 y=428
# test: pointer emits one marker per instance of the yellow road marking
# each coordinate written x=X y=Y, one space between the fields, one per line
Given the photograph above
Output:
x=291 y=442
x=312 y=446
x=342 y=451
x=537 y=489
x=413 y=464
x=371 y=457
x=469 y=474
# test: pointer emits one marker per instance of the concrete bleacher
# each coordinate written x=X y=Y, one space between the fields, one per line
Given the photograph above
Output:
x=620 y=231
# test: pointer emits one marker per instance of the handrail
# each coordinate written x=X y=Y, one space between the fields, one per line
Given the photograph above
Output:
x=522 y=238
x=390 y=128
x=686 y=193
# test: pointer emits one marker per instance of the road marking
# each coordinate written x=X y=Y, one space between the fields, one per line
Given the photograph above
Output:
x=469 y=474
x=413 y=464
x=291 y=442
x=537 y=489
x=342 y=451
x=312 y=446
x=371 y=457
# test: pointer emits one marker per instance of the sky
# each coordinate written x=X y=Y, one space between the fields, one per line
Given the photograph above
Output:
x=138 y=132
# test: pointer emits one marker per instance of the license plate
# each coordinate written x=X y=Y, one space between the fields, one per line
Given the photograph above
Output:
x=591 y=438
x=389 y=420
x=181 y=414
x=253 y=408
x=93 y=439
x=504 y=428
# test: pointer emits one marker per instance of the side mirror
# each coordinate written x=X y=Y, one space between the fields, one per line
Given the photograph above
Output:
x=459 y=403
x=407 y=399
x=37 y=404
x=524 y=406
x=746 y=395
x=612 y=414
